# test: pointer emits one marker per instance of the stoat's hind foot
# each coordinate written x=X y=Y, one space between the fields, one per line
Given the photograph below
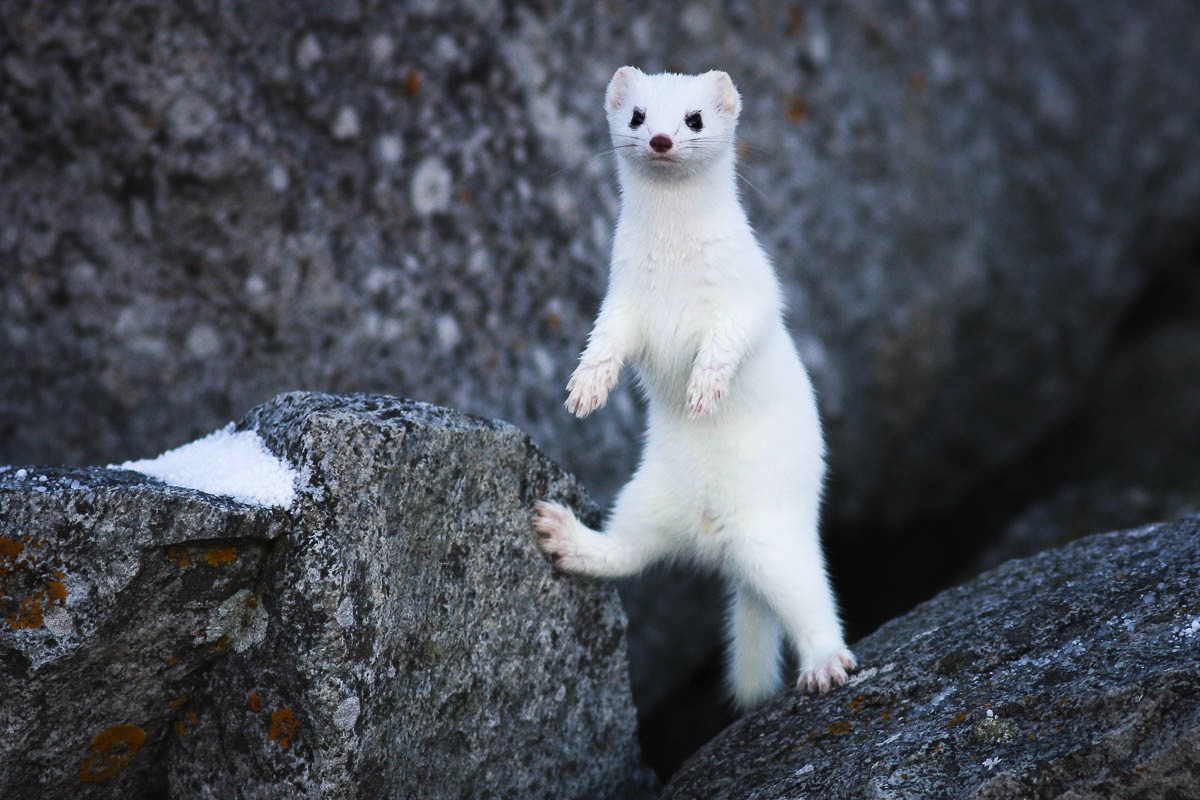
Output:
x=557 y=530
x=822 y=677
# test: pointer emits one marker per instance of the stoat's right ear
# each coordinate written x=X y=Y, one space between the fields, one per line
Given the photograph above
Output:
x=618 y=87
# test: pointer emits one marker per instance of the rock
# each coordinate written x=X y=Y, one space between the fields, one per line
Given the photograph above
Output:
x=395 y=633
x=114 y=594
x=960 y=207
x=208 y=204
x=1070 y=674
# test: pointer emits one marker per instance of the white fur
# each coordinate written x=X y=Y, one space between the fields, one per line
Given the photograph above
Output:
x=733 y=466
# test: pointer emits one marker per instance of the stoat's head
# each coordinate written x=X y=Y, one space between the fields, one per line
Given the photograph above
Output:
x=672 y=126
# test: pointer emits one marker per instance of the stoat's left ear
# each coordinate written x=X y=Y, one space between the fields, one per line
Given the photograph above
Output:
x=618 y=87
x=728 y=100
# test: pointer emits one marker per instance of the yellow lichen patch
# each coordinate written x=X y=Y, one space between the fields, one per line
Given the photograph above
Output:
x=179 y=555
x=112 y=750
x=839 y=728
x=283 y=727
x=957 y=719
x=218 y=556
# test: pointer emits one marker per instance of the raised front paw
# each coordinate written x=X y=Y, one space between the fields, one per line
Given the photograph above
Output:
x=706 y=386
x=828 y=673
x=557 y=529
x=590 y=384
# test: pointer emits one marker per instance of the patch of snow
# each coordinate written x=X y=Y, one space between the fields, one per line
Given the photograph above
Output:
x=228 y=462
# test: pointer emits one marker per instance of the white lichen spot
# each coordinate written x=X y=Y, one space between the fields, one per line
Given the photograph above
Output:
x=345 y=613
x=308 y=51
x=544 y=363
x=59 y=622
x=346 y=125
x=448 y=332
x=190 y=117
x=347 y=713
x=240 y=622
x=805 y=770
x=278 y=178
x=431 y=186
x=203 y=340
x=382 y=47
x=390 y=149
x=255 y=285
x=696 y=21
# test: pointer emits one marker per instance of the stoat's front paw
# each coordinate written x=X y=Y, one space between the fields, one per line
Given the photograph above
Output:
x=706 y=386
x=590 y=384
x=828 y=674
x=557 y=529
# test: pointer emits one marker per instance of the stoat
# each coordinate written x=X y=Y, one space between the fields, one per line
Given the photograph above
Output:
x=733 y=466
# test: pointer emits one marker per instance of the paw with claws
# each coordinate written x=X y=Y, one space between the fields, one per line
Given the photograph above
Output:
x=827 y=674
x=706 y=386
x=557 y=529
x=590 y=384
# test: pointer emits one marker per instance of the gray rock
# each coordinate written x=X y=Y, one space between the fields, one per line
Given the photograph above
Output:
x=115 y=596
x=206 y=204
x=1070 y=674
x=397 y=633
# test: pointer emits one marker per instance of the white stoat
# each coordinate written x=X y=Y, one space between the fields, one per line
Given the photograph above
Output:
x=733 y=466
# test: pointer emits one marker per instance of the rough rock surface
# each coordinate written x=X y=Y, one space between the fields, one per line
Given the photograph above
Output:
x=207 y=203
x=395 y=634
x=115 y=591
x=1075 y=673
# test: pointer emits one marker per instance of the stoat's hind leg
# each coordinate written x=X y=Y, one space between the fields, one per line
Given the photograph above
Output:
x=780 y=558
x=641 y=529
x=754 y=666
x=828 y=672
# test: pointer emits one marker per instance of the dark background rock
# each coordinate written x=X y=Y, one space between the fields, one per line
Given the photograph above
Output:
x=1069 y=674
x=395 y=634
x=205 y=204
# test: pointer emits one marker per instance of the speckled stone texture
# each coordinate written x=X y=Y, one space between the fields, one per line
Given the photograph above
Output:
x=116 y=593
x=207 y=203
x=396 y=634
x=421 y=646
x=1072 y=674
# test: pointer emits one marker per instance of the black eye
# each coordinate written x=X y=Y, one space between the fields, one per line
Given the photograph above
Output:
x=639 y=117
x=693 y=121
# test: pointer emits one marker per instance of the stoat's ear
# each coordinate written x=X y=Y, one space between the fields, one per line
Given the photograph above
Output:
x=618 y=87
x=728 y=100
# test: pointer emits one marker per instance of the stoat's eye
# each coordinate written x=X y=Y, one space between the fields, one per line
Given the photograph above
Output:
x=694 y=121
x=638 y=118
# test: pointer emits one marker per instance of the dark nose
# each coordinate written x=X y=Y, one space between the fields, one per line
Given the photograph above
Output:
x=660 y=143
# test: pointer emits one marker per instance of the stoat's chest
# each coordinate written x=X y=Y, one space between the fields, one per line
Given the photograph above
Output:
x=679 y=287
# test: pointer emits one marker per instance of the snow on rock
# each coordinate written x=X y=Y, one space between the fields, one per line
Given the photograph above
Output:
x=227 y=462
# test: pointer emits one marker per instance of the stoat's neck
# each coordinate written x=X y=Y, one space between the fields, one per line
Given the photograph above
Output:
x=706 y=199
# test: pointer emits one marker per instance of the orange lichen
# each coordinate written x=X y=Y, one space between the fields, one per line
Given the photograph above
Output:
x=216 y=556
x=180 y=728
x=255 y=702
x=179 y=701
x=412 y=82
x=283 y=727
x=839 y=728
x=179 y=555
x=112 y=750
x=797 y=107
x=957 y=719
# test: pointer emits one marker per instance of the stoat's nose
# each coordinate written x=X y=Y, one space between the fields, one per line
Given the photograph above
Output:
x=660 y=143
